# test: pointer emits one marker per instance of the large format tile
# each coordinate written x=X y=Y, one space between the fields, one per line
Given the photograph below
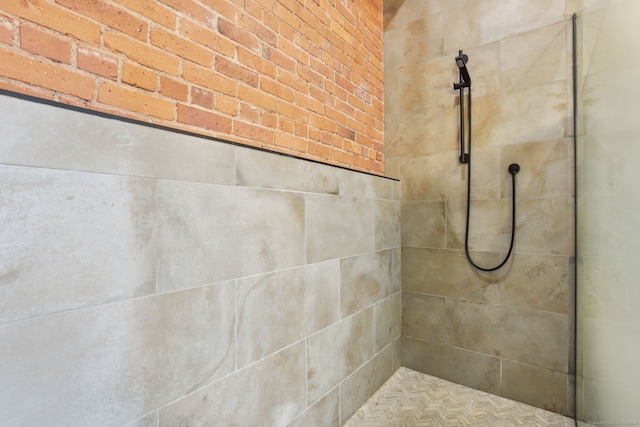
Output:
x=325 y=412
x=426 y=84
x=490 y=223
x=535 y=386
x=337 y=227
x=534 y=58
x=73 y=239
x=544 y=169
x=469 y=368
x=542 y=226
x=522 y=115
x=360 y=386
x=388 y=320
x=262 y=169
x=442 y=177
x=387 y=224
x=423 y=224
x=447 y=273
x=337 y=351
x=415 y=41
x=209 y=233
x=364 y=280
x=537 y=282
x=114 y=363
x=269 y=393
x=415 y=132
x=423 y=317
x=42 y=135
x=365 y=186
x=473 y=23
x=533 y=337
x=277 y=309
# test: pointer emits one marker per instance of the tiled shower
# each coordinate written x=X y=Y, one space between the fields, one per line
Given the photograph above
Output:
x=155 y=278
x=505 y=332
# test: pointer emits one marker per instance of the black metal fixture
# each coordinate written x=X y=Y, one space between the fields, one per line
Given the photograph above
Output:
x=465 y=158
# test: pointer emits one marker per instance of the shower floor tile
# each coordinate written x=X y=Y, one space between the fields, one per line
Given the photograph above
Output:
x=413 y=399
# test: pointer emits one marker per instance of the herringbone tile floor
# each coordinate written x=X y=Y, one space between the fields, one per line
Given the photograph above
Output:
x=413 y=399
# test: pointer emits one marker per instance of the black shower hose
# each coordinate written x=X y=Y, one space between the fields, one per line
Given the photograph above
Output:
x=514 y=168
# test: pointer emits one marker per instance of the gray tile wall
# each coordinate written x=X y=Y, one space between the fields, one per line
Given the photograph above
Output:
x=152 y=278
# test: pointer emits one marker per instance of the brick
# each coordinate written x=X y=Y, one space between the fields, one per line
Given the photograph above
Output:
x=309 y=103
x=142 y=53
x=300 y=129
x=26 y=89
x=335 y=115
x=345 y=83
x=293 y=81
x=315 y=134
x=322 y=69
x=322 y=123
x=277 y=89
x=347 y=109
x=311 y=76
x=321 y=95
x=202 y=97
x=226 y=104
x=132 y=100
x=345 y=132
x=253 y=132
x=236 y=71
x=290 y=141
x=6 y=30
x=281 y=60
x=173 y=89
x=285 y=13
x=153 y=10
x=319 y=150
x=97 y=62
x=271 y=21
x=206 y=37
x=257 y=97
x=233 y=32
x=363 y=140
x=293 y=111
x=112 y=16
x=204 y=77
x=194 y=10
x=249 y=113
x=223 y=7
x=203 y=119
x=344 y=158
x=44 y=43
x=141 y=77
x=249 y=24
x=269 y=120
x=338 y=29
x=255 y=9
x=46 y=75
x=295 y=52
x=55 y=17
x=181 y=47
x=285 y=125
x=319 y=13
x=257 y=63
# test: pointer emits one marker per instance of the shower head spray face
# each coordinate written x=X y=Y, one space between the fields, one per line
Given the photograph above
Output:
x=461 y=61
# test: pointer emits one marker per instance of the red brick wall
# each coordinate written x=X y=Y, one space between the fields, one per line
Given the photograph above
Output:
x=303 y=77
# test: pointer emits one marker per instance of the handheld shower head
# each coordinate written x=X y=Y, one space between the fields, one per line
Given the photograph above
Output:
x=461 y=61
